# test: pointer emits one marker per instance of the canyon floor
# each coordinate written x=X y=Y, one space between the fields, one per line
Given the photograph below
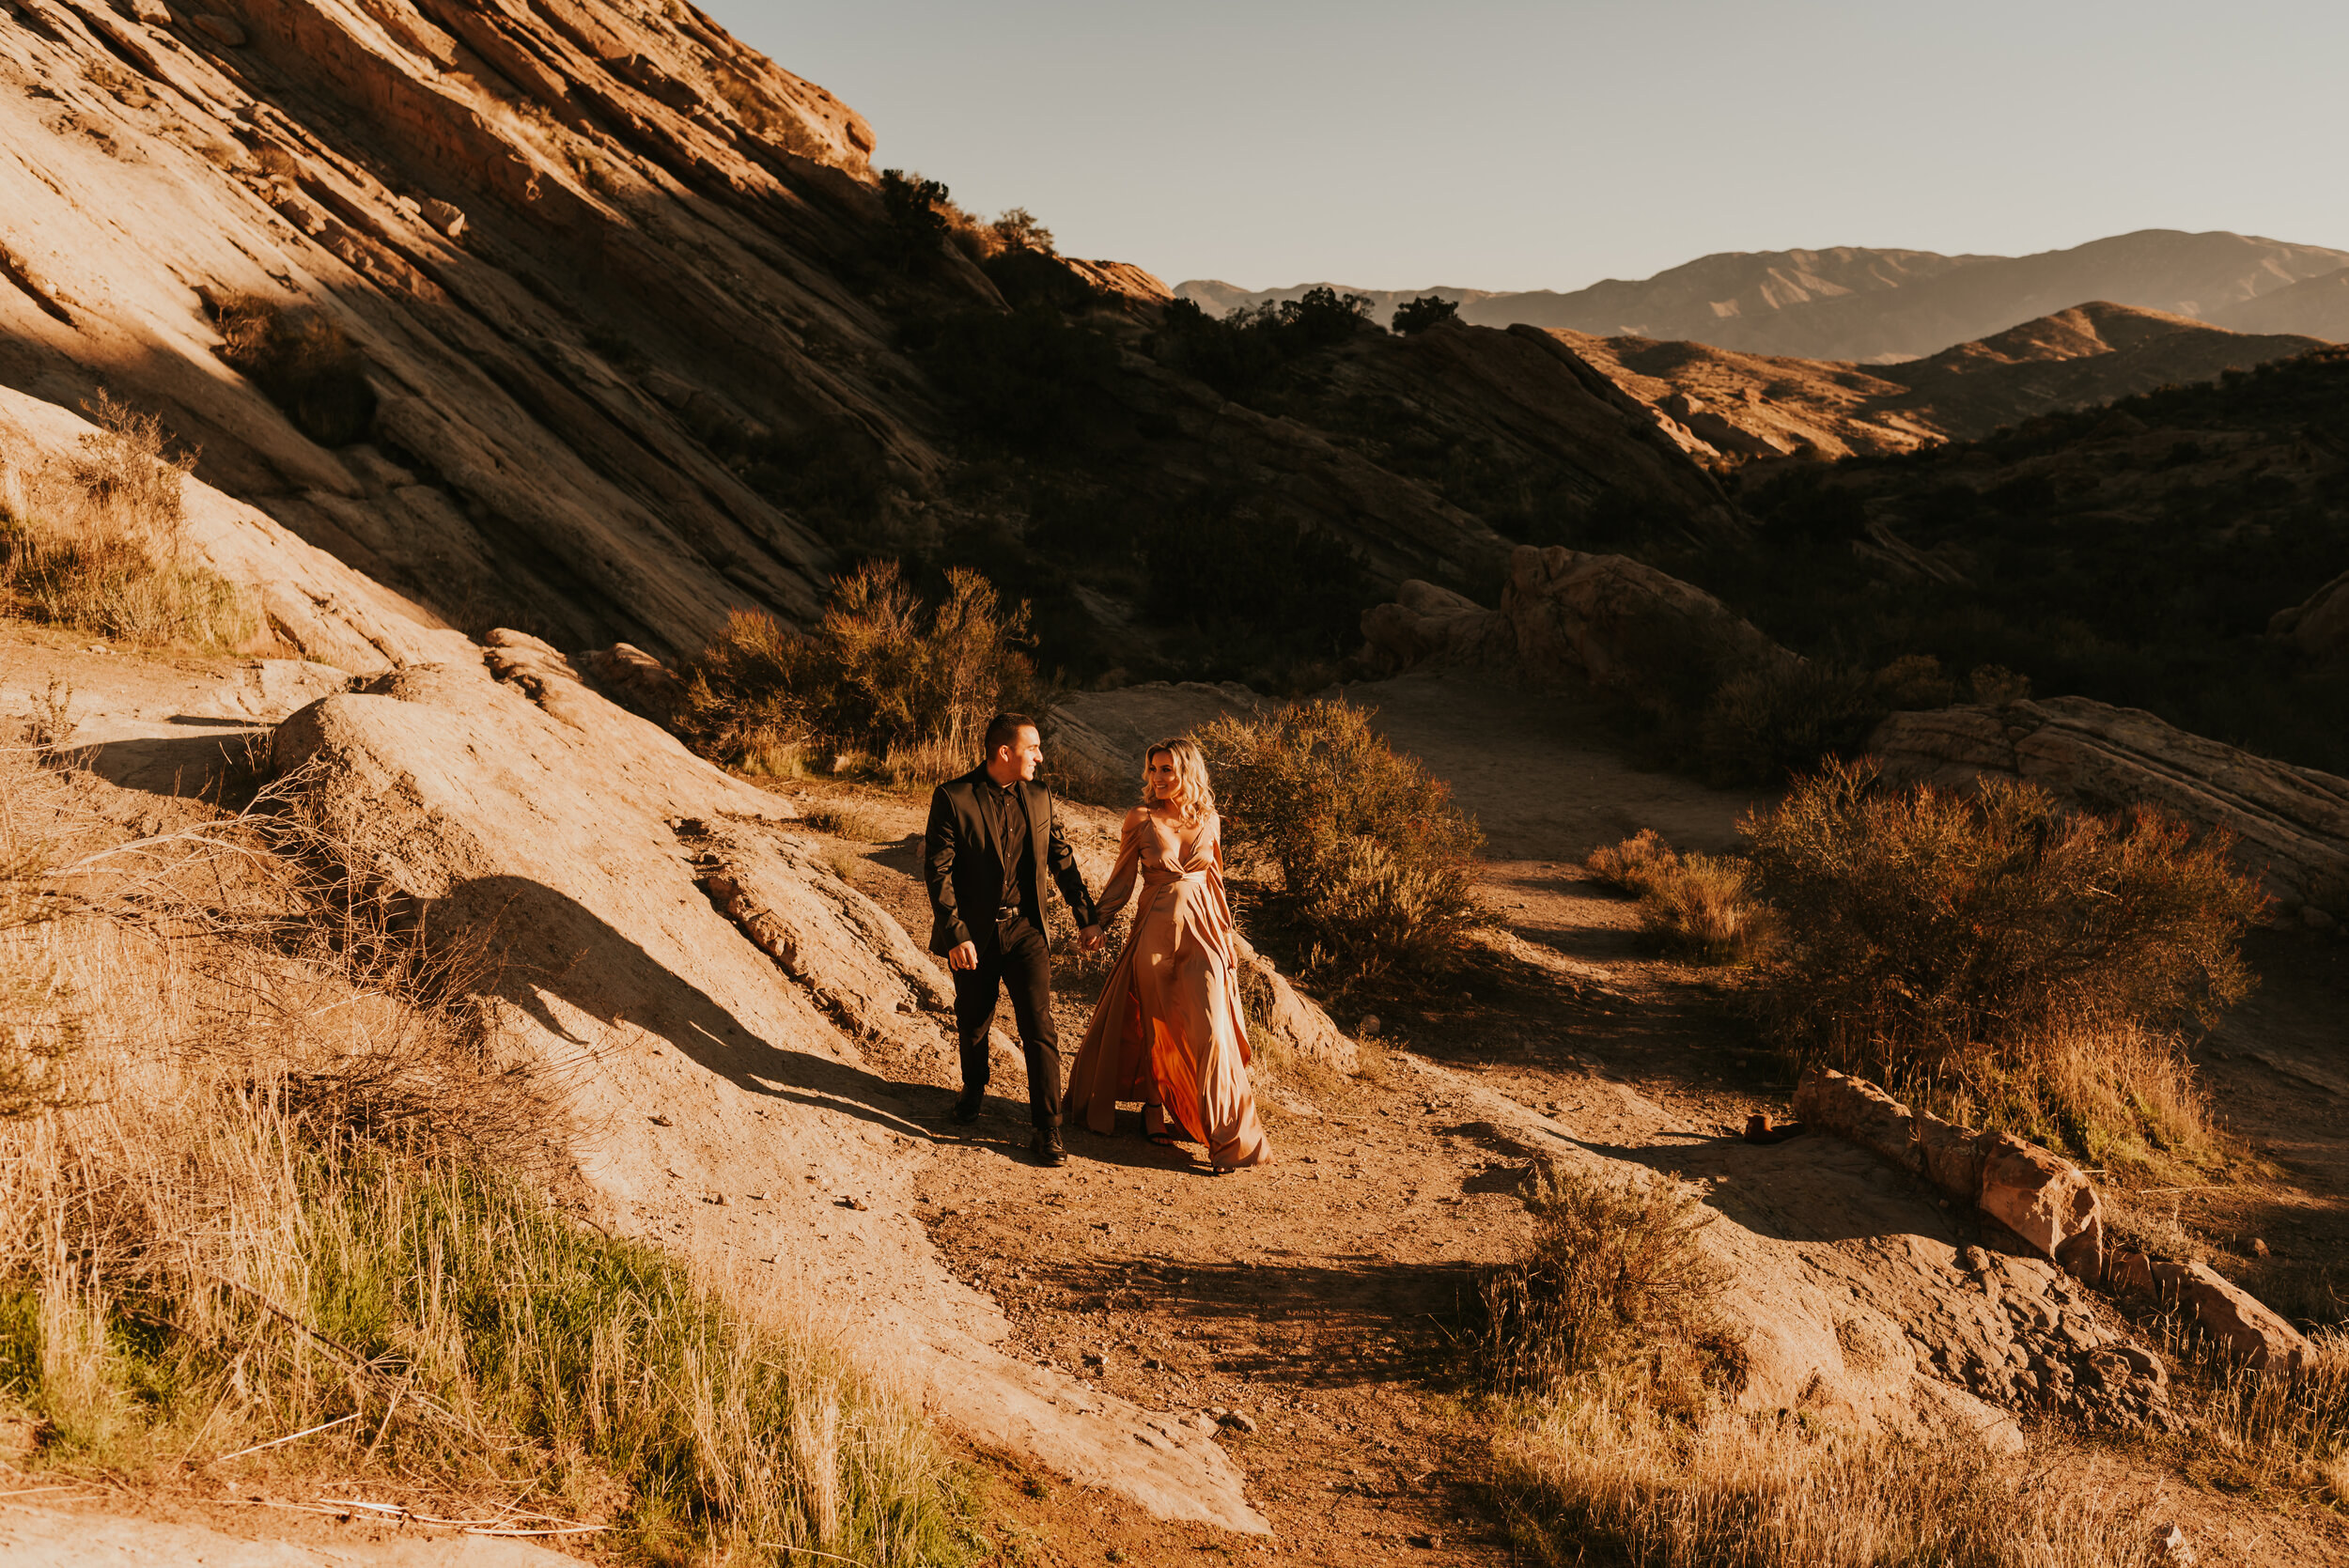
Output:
x=1322 y=1297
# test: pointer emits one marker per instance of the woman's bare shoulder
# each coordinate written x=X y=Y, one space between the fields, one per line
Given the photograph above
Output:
x=1135 y=818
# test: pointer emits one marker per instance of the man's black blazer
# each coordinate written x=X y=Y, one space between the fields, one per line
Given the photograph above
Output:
x=963 y=863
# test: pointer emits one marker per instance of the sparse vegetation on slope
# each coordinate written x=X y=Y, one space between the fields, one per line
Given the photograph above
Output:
x=240 y=1223
x=1376 y=863
x=99 y=544
x=1607 y=1362
x=905 y=683
x=1995 y=956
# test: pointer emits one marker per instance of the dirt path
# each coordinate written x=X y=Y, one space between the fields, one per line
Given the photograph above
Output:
x=1318 y=1296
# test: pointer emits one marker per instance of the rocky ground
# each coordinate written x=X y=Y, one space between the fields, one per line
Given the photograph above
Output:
x=1322 y=1298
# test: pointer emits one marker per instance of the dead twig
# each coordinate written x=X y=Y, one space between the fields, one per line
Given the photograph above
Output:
x=280 y=1443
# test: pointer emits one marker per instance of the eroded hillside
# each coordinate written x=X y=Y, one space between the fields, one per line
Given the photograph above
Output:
x=581 y=317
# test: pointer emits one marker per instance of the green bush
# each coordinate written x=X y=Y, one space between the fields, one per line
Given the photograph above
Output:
x=1413 y=316
x=884 y=673
x=1241 y=354
x=1760 y=724
x=1931 y=938
x=302 y=357
x=1377 y=864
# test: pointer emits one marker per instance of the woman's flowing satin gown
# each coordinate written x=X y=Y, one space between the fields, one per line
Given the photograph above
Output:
x=1168 y=1029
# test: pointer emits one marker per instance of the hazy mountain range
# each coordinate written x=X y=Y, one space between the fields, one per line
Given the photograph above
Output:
x=1872 y=305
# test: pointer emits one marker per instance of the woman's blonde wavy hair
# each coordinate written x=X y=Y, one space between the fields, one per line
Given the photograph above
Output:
x=1191 y=772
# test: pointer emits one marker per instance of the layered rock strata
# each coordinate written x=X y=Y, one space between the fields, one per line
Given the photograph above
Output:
x=2290 y=825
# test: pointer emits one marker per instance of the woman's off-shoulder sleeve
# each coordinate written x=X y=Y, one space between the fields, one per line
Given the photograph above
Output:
x=1120 y=886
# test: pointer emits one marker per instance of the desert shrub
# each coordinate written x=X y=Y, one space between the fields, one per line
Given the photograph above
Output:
x=883 y=673
x=1705 y=907
x=849 y=819
x=1241 y=354
x=1377 y=864
x=1615 y=1276
x=1628 y=866
x=1760 y=724
x=98 y=543
x=300 y=356
x=1413 y=316
x=1946 y=941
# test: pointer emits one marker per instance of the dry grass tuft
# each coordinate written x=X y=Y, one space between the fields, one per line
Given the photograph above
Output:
x=850 y=819
x=2261 y=1434
x=100 y=544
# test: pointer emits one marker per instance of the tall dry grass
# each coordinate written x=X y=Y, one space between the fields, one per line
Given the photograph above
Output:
x=288 y=1183
x=98 y=542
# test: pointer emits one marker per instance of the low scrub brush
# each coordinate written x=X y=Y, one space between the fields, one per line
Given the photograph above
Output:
x=1926 y=933
x=1376 y=865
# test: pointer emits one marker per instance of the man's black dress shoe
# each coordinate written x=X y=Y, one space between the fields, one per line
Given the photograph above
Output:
x=1047 y=1147
x=967 y=1106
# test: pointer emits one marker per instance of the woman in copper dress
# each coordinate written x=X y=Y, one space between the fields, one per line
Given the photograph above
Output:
x=1168 y=1029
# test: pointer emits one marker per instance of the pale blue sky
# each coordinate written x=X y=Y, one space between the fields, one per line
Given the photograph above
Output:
x=1494 y=144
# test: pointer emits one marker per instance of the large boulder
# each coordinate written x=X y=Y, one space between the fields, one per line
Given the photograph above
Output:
x=2290 y=825
x=723 y=1012
x=2319 y=625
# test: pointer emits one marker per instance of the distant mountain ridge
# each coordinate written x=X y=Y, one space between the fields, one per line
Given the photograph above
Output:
x=1761 y=405
x=1879 y=306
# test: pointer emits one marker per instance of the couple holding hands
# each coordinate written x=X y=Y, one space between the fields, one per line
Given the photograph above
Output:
x=1167 y=1030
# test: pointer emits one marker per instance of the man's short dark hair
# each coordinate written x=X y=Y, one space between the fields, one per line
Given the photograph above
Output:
x=1004 y=729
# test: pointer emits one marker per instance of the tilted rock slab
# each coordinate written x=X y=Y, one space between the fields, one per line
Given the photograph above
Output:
x=1572 y=615
x=2290 y=824
x=2253 y=1333
x=591 y=845
x=310 y=603
x=2042 y=1198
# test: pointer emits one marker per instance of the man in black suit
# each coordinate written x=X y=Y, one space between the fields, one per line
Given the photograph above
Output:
x=992 y=840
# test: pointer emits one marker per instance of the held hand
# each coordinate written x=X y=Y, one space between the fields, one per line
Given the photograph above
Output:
x=963 y=956
x=1089 y=938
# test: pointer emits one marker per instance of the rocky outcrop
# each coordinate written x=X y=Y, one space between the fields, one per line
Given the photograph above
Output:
x=2252 y=1334
x=310 y=604
x=719 y=1006
x=2290 y=824
x=1565 y=615
x=2043 y=1200
x=2319 y=625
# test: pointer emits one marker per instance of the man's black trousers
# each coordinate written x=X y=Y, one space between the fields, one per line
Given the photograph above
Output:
x=1019 y=961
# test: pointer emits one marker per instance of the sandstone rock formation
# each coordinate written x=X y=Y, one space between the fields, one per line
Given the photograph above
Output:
x=1569 y=615
x=2318 y=626
x=708 y=993
x=609 y=320
x=311 y=604
x=2252 y=1333
x=2290 y=824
